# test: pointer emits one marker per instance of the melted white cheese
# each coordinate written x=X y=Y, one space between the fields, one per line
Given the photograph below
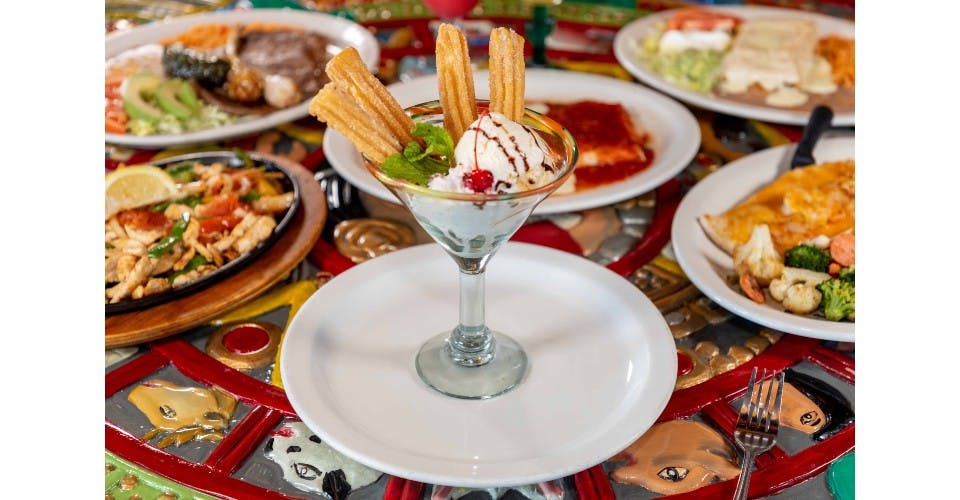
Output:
x=680 y=40
x=769 y=52
x=817 y=77
x=786 y=97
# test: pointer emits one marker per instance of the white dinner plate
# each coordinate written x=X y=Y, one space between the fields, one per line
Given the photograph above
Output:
x=674 y=131
x=706 y=264
x=626 y=49
x=340 y=32
x=602 y=367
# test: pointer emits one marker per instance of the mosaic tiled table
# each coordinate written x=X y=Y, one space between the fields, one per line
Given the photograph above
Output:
x=221 y=374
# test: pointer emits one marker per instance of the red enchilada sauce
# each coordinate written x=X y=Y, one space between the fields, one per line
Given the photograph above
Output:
x=606 y=131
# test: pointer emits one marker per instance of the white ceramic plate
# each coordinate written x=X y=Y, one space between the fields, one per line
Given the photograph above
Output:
x=625 y=49
x=706 y=264
x=340 y=32
x=602 y=367
x=674 y=131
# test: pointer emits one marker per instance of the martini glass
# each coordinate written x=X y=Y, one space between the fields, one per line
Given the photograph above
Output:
x=470 y=361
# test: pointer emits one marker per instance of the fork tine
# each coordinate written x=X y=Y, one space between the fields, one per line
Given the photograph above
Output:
x=761 y=404
x=758 y=422
x=775 y=414
x=766 y=405
x=748 y=396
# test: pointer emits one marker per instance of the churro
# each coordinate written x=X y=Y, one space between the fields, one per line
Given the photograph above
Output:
x=366 y=132
x=506 y=73
x=455 y=80
x=352 y=77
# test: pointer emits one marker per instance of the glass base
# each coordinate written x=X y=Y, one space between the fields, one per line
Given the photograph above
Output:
x=503 y=372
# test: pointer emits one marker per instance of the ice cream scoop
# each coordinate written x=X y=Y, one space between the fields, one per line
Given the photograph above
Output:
x=513 y=155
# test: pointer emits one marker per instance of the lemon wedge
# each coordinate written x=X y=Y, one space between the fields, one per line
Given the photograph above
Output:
x=136 y=186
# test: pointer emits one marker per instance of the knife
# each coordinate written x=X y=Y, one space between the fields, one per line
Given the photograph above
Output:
x=817 y=124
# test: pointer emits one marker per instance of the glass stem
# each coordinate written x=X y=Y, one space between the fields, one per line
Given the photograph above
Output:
x=471 y=343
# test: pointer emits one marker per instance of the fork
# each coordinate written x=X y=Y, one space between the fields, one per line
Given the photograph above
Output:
x=757 y=426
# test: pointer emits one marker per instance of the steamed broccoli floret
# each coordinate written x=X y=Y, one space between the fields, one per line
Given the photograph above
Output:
x=839 y=298
x=807 y=257
x=846 y=274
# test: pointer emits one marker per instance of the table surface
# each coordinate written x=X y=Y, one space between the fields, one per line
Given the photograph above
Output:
x=630 y=238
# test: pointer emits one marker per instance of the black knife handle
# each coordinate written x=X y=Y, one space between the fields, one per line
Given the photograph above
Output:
x=819 y=122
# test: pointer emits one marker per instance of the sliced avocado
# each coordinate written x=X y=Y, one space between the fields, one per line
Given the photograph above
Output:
x=135 y=90
x=188 y=96
x=167 y=98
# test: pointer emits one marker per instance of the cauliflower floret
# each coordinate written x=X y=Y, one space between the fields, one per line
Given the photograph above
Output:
x=758 y=257
x=797 y=290
x=821 y=241
x=280 y=91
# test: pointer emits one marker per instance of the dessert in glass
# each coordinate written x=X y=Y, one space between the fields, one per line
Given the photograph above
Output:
x=470 y=172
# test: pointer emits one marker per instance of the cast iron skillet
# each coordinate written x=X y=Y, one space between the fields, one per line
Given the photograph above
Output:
x=232 y=160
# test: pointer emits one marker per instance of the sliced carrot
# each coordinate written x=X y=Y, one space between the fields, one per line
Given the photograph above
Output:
x=842 y=249
x=834 y=269
x=752 y=288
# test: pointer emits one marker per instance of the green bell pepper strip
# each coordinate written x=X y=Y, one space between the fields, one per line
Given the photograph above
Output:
x=176 y=235
x=197 y=261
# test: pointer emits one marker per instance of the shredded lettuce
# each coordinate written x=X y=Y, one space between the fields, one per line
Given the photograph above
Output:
x=697 y=70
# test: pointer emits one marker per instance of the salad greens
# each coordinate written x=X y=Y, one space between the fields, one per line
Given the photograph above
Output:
x=697 y=70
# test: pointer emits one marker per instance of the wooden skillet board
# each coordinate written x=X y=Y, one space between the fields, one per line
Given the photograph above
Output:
x=175 y=316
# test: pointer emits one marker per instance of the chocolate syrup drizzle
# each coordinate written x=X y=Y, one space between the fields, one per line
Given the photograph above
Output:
x=513 y=159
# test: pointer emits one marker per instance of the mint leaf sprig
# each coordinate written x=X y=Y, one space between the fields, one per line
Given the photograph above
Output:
x=431 y=152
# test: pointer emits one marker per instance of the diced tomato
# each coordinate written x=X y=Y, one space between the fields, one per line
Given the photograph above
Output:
x=114 y=80
x=701 y=20
x=220 y=214
x=115 y=116
x=219 y=223
x=115 y=127
x=221 y=205
x=144 y=219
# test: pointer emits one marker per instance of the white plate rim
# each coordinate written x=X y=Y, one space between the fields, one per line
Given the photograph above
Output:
x=342 y=31
x=663 y=360
x=670 y=159
x=625 y=55
x=696 y=253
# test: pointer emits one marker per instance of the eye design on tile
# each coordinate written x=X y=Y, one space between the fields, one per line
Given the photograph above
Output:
x=677 y=456
x=810 y=418
x=673 y=474
x=813 y=406
x=168 y=412
x=306 y=471
x=311 y=465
